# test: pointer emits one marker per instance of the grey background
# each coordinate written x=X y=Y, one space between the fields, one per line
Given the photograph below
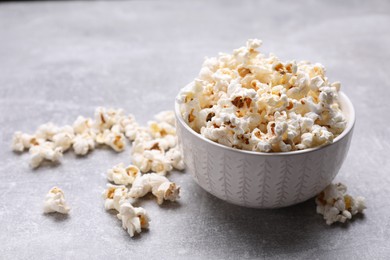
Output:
x=59 y=60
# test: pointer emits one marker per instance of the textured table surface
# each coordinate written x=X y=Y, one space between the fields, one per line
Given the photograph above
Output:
x=59 y=60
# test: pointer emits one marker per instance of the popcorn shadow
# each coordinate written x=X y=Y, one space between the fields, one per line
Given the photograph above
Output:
x=47 y=165
x=262 y=232
x=57 y=217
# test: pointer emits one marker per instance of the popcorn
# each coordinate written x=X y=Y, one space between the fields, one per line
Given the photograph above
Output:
x=159 y=185
x=158 y=163
x=130 y=127
x=106 y=118
x=133 y=219
x=46 y=131
x=166 y=116
x=55 y=202
x=337 y=206
x=64 y=138
x=116 y=141
x=45 y=151
x=83 y=143
x=175 y=157
x=82 y=125
x=161 y=129
x=120 y=174
x=249 y=101
x=21 y=141
x=114 y=196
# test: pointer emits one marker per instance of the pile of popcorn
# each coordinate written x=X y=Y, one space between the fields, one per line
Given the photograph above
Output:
x=155 y=152
x=249 y=101
x=337 y=206
x=109 y=127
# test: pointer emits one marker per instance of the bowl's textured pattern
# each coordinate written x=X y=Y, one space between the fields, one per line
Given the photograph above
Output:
x=261 y=181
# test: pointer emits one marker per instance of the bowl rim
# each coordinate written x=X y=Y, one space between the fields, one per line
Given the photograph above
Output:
x=350 y=124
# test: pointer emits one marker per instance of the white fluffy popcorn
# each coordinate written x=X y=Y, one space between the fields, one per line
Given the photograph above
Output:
x=159 y=185
x=83 y=143
x=337 y=206
x=105 y=118
x=46 y=151
x=47 y=131
x=82 y=125
x=64 y=138
x=55 y=202
x=166 y=116
x=114 y=196
x=133 y=218
x=249 y=101
x=175 y=157
x=114 y=139
x=120 y=174
x=21 y=141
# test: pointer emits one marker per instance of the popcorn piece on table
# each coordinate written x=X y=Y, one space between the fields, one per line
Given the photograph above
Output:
x=152 y=160
x=55 y=202
x=82 y=125
x=158 y=162
x=105 y=118
x=337 y=206
x=161 y=129
x=129 y=126
x=47 y=131
x=21 y=141
x=175 y=157
x=46 y=151
x=167 y=116
x=159 y=185
x=83 y=143
x=64 y=138
x=120 y=174
x=114 y=139
x=133 y=218
x=114 y=195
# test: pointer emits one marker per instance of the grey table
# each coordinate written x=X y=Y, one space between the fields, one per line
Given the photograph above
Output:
x=59 y=60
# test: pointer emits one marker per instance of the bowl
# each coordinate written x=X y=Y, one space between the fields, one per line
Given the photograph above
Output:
x=264 y=180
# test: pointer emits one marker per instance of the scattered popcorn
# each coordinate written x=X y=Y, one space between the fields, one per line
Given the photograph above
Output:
x=155 y=148
x=114 y=195
x=159 y=185
x=46 y=151
x=133 y=219
x=337 y=206
x=55 y=202
x=120 y=174
x=249 y=101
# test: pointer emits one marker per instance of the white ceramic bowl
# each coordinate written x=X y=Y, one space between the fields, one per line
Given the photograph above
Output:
x=264 y=180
